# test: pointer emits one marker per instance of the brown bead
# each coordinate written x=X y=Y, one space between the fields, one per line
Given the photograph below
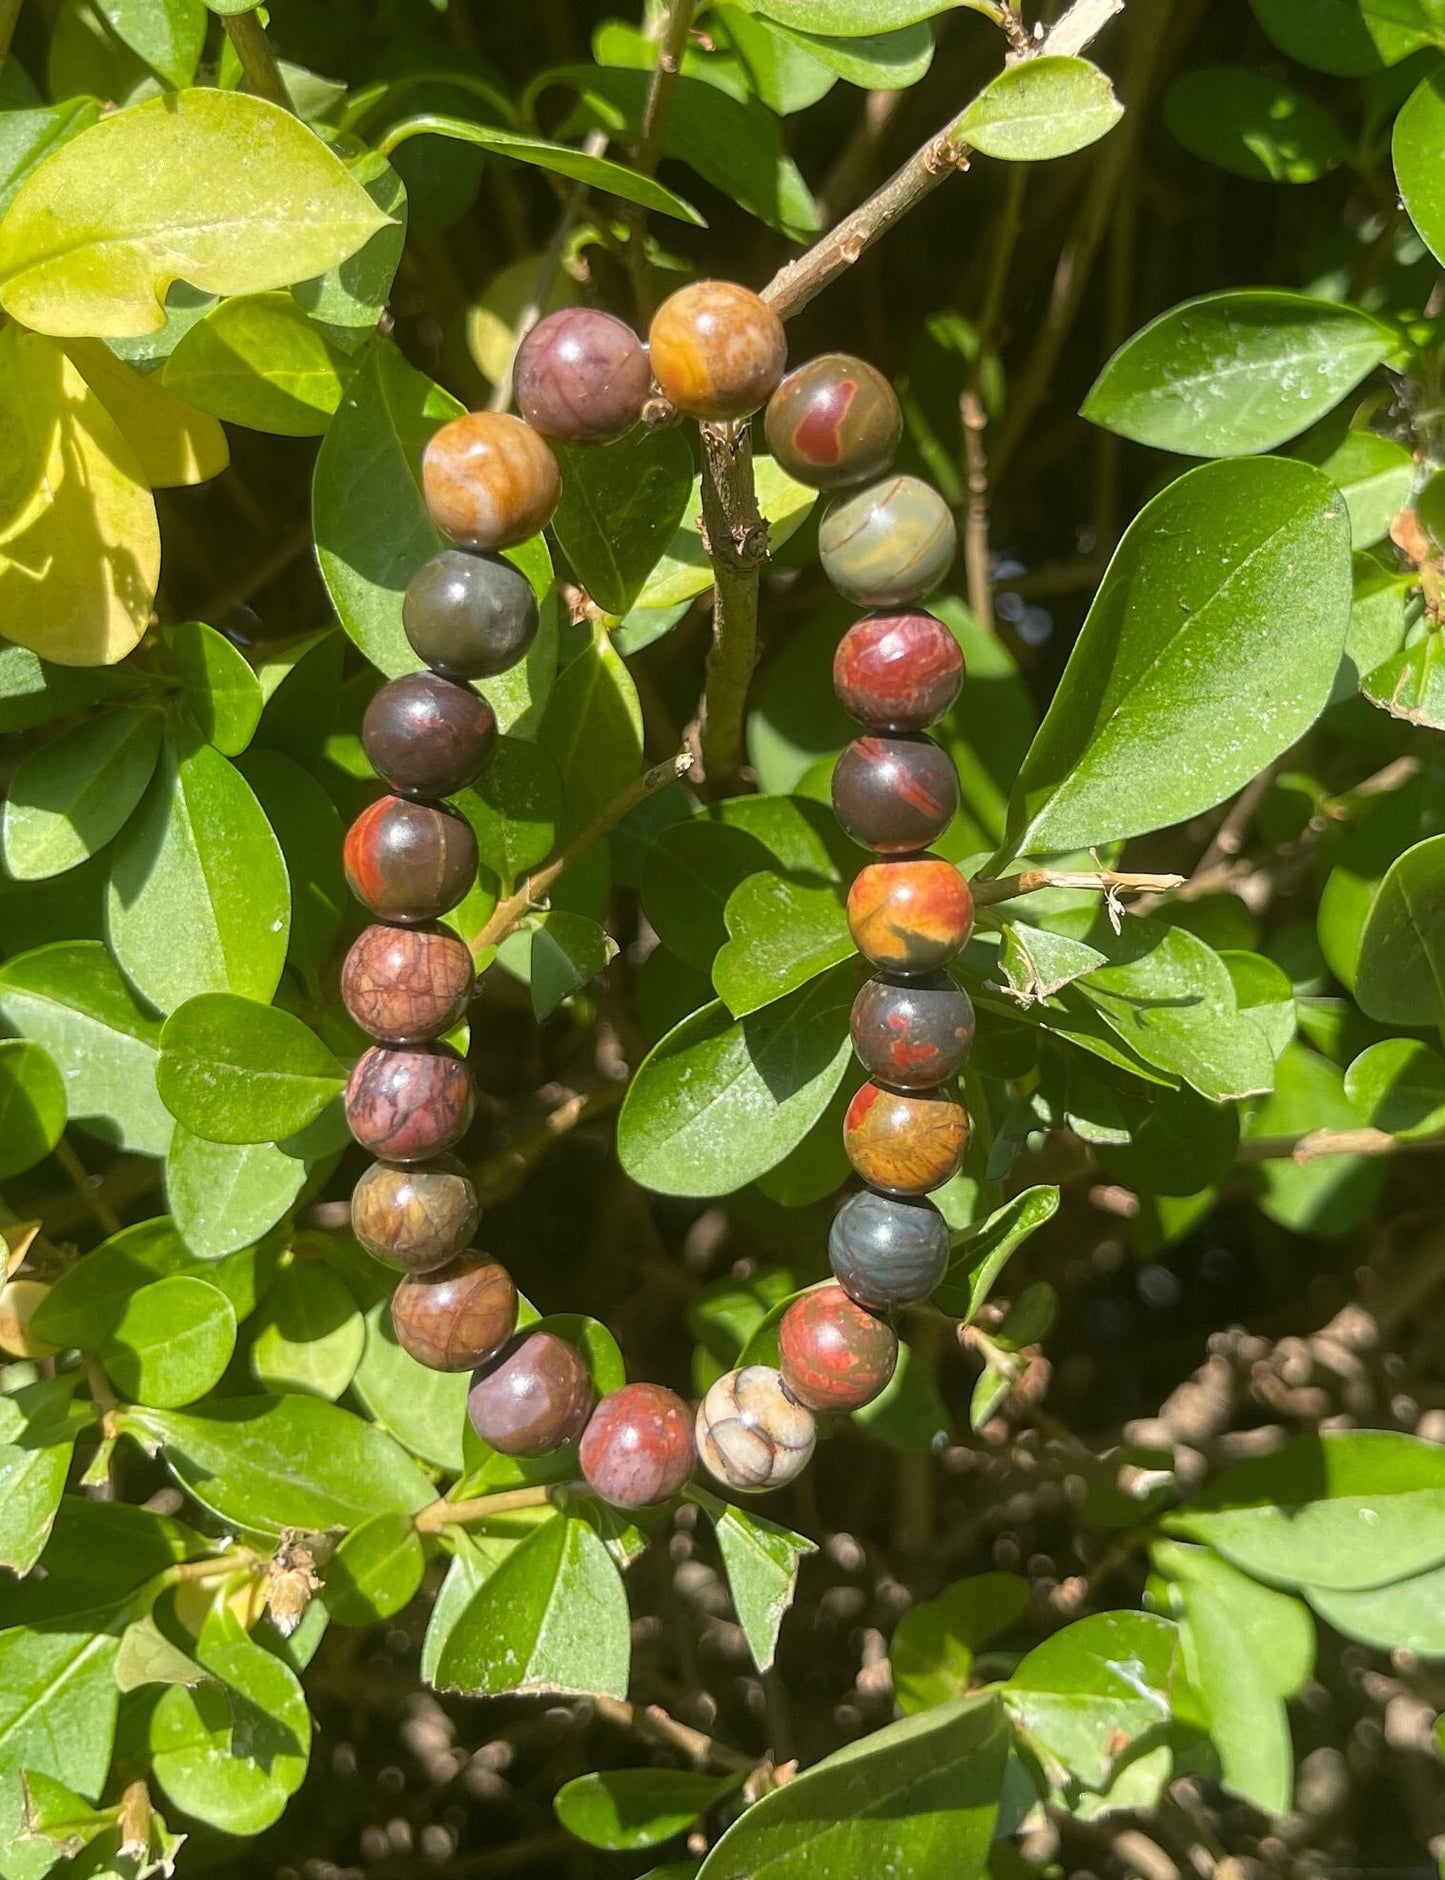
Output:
x=457 y=1316
x=717 y=350
x=834 y=421
x=905 y=1142
x=409 y=861
x=898 y=671
x=410 y=1103
x=638 y=1446
x=895 y=795
x=489 y=480
x=427 y=736
x=834 y=1355
x=911 y=916
x=532 y=1398
x=912 y=1033
x=415 y=1218
x=404 y=984
x=581 y=376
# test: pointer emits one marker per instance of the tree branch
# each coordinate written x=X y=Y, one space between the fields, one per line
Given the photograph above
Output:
x=1104 y=880
x=258 y=61
x=656 y=1726
x=736 y=538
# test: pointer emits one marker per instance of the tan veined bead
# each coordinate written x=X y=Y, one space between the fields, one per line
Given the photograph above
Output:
x=751 y=1434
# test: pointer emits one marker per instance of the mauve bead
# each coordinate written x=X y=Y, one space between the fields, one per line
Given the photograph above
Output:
x=905 y=1142
x=405 y=1104
x=409 y=861
x=581 y=376
x=751 y=1435
x=469 y=616
x=404 y=984
x=912 y=916
x=489 y=480
x=457 y=1316
x=415 y=1218
x=895 y=795
x=533 y=1398
x=835 y=1355
x=638 y=1446
x=912 y=1033
x=835 y=420
x=898 y=671
x=717 y=350
x=427 y=736
x=885 y=1252
x=888 y=543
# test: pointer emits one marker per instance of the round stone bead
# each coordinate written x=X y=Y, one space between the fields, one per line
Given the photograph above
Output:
x=898 y=671
x=409 y=861
x=887 y=1253
x=910 y=917
x=751 y=1435
x=638 y=1446
x=905 y=1142
x=834 y=1355
x=415 y=1218
x=912 y=1033
x=489 y=480
x=457 y=1316
x=717 y=350
x=405 y=984
x=427 y=736
x=581 y=376
x=834 y=421
x=890 y=542
x=895 y=795
x=469 y=616
x=405 y=1104
x=534 y=1397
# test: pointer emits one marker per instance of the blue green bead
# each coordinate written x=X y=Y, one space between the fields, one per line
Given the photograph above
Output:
x=888 y=543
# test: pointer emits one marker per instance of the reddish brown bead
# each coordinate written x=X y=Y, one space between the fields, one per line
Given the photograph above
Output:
x=457 y=1316
x=408 y=1104
x=638 y=1446
x=409 y=861
x=415 y=1218
x=404 y=984
x=912 y=1033
x=489 y=480
x=834 y=421
x=532 y=1398
x=581 y=376
x=899 y=671
x=834 y=1355
x=910 y=917
x=717 y=350
x=905 y=1142
x=895 y=795
x=427 y=736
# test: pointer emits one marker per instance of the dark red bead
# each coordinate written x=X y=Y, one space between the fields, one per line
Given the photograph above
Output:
x=457 y=1316
x=581 y=376
x=427 y=736
x=409 y=861
x=410 y=1103
x=911 y=916
x=532 y=1398
x=898 y=671
x=471 y=616
x=834 y=1355
x=905 y=1142
x=886 y=1252
x=403 y=984
x=834 y=421
x=895 y=795
x=638 y=1446
x=912 y=1033
x=416 y=1218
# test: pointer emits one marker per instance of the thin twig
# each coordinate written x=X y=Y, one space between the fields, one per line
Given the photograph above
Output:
x=736 y=538
x=654 y=1724
x=1103 y=880
x=501 y=1175
x=1322 y=1142
x=258 y=60
x=677 y=24
x=976 y=559
x=444 y=1514
x=86 y=1186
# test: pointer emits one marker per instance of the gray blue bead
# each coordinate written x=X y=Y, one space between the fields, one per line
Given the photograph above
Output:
x=886 y=1251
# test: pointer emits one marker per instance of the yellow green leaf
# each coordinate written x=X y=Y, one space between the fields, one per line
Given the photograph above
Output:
x=257 y=360
x=175 y=443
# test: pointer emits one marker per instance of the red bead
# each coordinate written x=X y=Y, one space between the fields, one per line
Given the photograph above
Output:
x=581 y=376
x=427 y=736
x=405 y=1105
x=898 y=671
x=834 y=1356
x=905 y=1143
x=638 y=1446
x=912 y=1033
x=409 y=861
x=456 y=1316
x=404 y=984
x=911 y=916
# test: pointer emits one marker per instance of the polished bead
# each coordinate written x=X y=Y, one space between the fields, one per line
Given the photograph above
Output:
x=409 y=861
x=887 y=543
x=532 y=1398
x=638 y=1446
x=415 y=1218
x=886 y=1252
x=489 y=480
x=911 y=916
x=898 y=671
x=469 y=616
x=581 y=376
x=905 y=1142
x=457 y=1316
x=427 y=736
x=912 y=1033
x=834 y=421
x=410 y=1102
x=405 y=984
x=835 y=1356
x=751 y=1435
x=895 y=795
x=717 y=350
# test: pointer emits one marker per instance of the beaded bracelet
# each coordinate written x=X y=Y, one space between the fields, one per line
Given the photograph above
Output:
x=716 y=352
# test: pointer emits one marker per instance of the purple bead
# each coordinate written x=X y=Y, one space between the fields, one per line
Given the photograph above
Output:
x=581 y=376
x=534 y=1397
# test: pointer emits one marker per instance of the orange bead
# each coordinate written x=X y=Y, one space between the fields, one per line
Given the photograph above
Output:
x=717 y=350
x=905 y=1142
x=489 y=480
x=910 y=916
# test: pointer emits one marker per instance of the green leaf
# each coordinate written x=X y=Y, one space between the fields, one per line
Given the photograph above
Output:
x=1178 y=1142
x=348 y=300
x=1181 y=647
x=28 y=137
x=553 y=1617
x=782 y=932
x=1349 y=37
x=259 y=361
x=224 y=1196
x=198 y=898
x=688 y=874
x=634 y=1808
x=567 y=950
x=1410 y=685
x=375 y=1571
x=980 y=1253
x=222 y=692
x=1275 y=1627
x=305 y=822
x=72 y=796
x=35 y=1452
x=1344 y=1509
x=1415 y=146
x=592 y=729
x=309 y=1333
x=168 y=34
x=621 y=506
x=57 y=1709
x=423 y=1409
x=1040 y=108
x=851 y=19
x=235 y=1071
x=1253 y=125
x=1328 y=1195
x=919 y=1797
x=238 y=196
x=720 y=1100
x=1091 y=1690
x=1405 y=1616
x=909 y=1413
x=147 y=1656
x=1236 y=372
x=685 y=571
x=792 y=69
x=761 y=1559
x=933 y=1644
x=514 y=808
x=32 y=1105
x=1373 y=473
x=1264 y=994
x=172 y=1341
x=1247 y=1720
x=1400 y=977
x=33 y=692
x=1399 y=1086
x=85 y=1305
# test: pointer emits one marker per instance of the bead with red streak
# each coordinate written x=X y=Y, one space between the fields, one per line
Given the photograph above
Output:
x=898 y=671
x=895 y=795
x=638 y=1446
x=834 y=1355
x=409 y=861
x=905 y=1142
x=912 y=1033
